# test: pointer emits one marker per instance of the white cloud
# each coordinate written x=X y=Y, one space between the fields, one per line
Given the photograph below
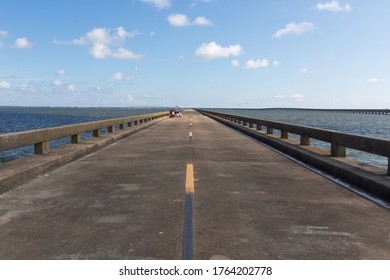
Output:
x=3 y=33
x=159 y=3
x=275 y=63
x=5 y=85
x=213 y=50
x=61 y=72
x=57 y=82
x=178 y=20
x=295 y=29
x=298 y=97
x=279 y=96
x=119 y=76
x=333 y=6
x=122 y=53
x=29 y=87
x=100 y=42
x=181 y=20
x=304 y=70
x=202 y=21
x=23 y=43
x=235 y=63
x=373 y=80
x=254 y=64
x=122 y=33
x=71 y=88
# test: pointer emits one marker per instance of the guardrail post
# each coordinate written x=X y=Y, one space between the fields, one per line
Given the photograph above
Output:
x=304 y=141
x=337 y=150
x=75 y=139
x=96 y=133
x=42 y=148
x=270 y=130
x=111 y=129
x=284 y=135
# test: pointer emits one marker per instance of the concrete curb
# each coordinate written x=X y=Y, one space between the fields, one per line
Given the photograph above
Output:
x=377 y=185
x=20 y=171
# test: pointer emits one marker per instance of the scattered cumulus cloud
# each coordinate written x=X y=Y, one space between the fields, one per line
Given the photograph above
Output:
x=28 y=87
x=202 y=21
x=61 y=72
x=5 y=85
x=181 y=20
x=298 y=97
x=122 y=53
x=161 y=4
x=119 y=76
x=235 y=63
x=213 y=50
x=255 y=64
x=294 y=28
x=71 y=88
x=57 y=82
x=23 y=43
x=100 y=42
x=373 y=80
x=333 y=6
x=304 y=70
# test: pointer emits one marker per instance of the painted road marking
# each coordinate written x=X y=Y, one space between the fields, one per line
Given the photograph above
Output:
x=190 y=178
x=190 y=136
x=187 y=245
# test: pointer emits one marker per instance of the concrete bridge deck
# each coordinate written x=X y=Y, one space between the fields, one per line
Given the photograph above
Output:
x=126 y=201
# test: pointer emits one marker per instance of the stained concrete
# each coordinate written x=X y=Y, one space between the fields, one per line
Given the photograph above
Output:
x=126 y=201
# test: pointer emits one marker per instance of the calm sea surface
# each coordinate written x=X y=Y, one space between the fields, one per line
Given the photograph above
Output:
x=26 y=118
x=361 y=124
x=14 y=119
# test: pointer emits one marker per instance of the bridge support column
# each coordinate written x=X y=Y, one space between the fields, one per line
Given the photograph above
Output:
x=111 y=129
x=96 y=133
x=270 y=130
x=42 y=148
x=122 y=126
x=337 y=150
x=75 y=139
x=305 y=141
x=284 y=135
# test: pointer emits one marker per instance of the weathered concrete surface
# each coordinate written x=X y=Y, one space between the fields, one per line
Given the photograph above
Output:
x=126 y=201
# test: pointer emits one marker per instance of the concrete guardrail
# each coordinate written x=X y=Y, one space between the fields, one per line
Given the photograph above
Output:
x=41 y=138
x=339 y=141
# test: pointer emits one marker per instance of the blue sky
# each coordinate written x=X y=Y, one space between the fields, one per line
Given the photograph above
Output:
x=196 y=53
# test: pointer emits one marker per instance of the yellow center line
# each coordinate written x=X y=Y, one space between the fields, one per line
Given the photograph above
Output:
x=190 y=178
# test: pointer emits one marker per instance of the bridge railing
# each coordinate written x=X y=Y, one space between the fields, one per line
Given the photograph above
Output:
x=41 y=138
x=339 y=141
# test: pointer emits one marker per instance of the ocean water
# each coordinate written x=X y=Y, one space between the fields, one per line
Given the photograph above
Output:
x=13 y=119
x=360 y=124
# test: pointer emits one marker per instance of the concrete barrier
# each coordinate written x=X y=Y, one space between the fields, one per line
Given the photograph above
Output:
x=378 y=184
x=41 y=138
